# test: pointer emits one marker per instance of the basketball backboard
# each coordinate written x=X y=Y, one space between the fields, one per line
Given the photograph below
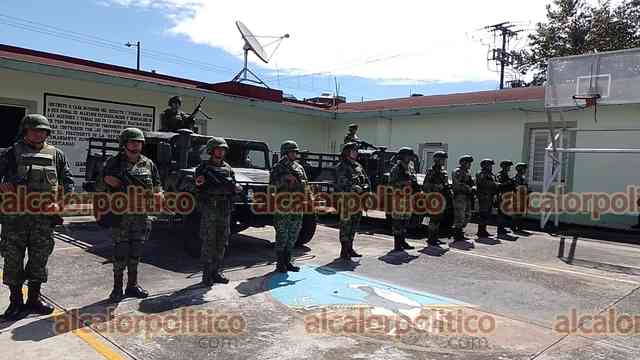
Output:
x=613 y=77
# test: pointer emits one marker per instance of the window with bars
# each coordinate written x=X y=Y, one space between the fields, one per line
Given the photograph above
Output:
x=539 y=140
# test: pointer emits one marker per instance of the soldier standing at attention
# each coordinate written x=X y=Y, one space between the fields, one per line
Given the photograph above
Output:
x=487 y=188
x=505 y=186
x=436 y=180
x=129 y=169
x=463 y=191
x=350 y=178
x=39 y=168
x=173 y=118
x=352 y=135
x=216 y=186
x=521 y=196
x=402 y=175
x=288 y=176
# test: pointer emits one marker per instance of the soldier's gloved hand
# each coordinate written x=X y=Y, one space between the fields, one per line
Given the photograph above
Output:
x=113 y=181
x=52 y=208
x=7 y=188
x=200 y=180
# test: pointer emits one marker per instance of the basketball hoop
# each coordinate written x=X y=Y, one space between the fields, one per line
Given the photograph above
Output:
x=590 y=99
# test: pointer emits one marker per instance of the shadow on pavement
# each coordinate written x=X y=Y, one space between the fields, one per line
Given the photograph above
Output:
x=397 y=257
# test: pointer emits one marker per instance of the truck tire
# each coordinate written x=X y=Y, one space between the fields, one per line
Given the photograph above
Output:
x=308 y=229
x=191 y=233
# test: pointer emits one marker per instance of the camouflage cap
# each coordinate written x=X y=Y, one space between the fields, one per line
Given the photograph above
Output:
x=465 y=158
x=506 y=163
x=487 y=162
x=440 y=155
x=405 y=151
x=216 y=142
x=521 y=165
x=288 y=145
x=352 y=126
x=176 y=99
x=131 y=134
x=35 y=121
x=349 y=146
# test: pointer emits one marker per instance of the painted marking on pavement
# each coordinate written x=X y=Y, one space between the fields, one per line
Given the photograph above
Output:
x=323 y=286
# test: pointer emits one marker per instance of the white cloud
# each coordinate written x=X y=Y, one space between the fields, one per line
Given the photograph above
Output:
x=399 y=40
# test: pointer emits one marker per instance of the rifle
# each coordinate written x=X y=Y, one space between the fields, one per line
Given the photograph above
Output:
x=216 y=177
x=362 y=143
x=190 y=121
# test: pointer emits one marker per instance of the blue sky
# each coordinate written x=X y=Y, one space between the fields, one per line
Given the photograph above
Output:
x=385 y=54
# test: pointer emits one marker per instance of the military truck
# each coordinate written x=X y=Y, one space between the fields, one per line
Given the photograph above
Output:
x=377 y=162
x=177 y=154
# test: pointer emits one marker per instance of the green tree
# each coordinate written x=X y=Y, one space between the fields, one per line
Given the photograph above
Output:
x=574 y=28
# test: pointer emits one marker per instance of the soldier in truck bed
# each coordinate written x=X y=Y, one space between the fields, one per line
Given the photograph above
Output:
x=173 y=118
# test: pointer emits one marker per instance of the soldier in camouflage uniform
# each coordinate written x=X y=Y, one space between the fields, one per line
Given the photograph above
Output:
x=521 y=196
x=173 y=118
x=505 y=186
x=436 y=180
x=463 y=191
x=352 y=134
x=216 y=184
x=350 y=178
x=401 y=176
x=288 y=176
x=39 y=168
x=487 y=188
x=129 y=169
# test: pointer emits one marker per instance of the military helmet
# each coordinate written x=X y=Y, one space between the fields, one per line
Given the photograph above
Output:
x=405 y=151
x=349 y=146
x=35 y=121
x=440 y=155
x=467 y=158
x=521 y=165
x=176 y=99
x=287 y=146
x=216 y=142
x=353 y=126
x=506 y=163
x=487 y=162
x=131 y=134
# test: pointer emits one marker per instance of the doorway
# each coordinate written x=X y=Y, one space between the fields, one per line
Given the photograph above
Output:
x=10 y=117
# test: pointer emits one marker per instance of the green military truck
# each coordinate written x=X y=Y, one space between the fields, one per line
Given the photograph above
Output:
x=177 y=154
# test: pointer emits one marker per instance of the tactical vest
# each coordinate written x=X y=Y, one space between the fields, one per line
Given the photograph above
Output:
x=36 y=169
x=141 y=172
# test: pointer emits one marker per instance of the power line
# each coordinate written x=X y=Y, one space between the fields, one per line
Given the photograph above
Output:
x=501 y=55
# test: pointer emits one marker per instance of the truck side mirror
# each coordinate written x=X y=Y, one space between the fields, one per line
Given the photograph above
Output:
x=164 y=153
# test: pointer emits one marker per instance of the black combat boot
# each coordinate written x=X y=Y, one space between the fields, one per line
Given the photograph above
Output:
x=16 y=304
x=344 y=251
x=117 y=294
x=397 y=243
x=217 y=277
x=35 y=305
x=290 y=266
x=482 y=231
x=352 y=252
x=206 y=275
x=433 y=239
x=133 y=289
x=502 y=230
x=405 y=245
x=281 y=266
x=458 y=235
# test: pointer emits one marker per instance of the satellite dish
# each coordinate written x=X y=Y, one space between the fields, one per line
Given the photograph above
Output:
x=251 y=43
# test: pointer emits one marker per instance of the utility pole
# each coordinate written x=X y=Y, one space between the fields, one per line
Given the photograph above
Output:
x=137 y=45
x=501 y=55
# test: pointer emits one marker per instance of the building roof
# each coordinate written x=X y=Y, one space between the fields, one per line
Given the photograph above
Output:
x=462 y=99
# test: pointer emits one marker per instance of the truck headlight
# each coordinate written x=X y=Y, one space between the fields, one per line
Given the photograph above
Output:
x=250 y=194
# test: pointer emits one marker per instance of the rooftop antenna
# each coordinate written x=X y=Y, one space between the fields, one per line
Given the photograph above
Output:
x=252 y=44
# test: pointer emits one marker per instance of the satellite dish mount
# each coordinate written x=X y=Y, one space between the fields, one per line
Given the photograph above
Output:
x=251 y=43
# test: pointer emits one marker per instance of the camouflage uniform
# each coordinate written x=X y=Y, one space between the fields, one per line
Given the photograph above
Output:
x=402 y=174
x=463 y=191
x=130 y=233
x=43 y=171
x=215 y=205
x=287 y=223
x=436 y=180
x=350 y=178
x=505 y=186
x=521 y=196
x=172 y=120
x=487 y=188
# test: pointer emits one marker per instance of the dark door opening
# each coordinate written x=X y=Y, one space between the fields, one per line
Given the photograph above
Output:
x=10 y=117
